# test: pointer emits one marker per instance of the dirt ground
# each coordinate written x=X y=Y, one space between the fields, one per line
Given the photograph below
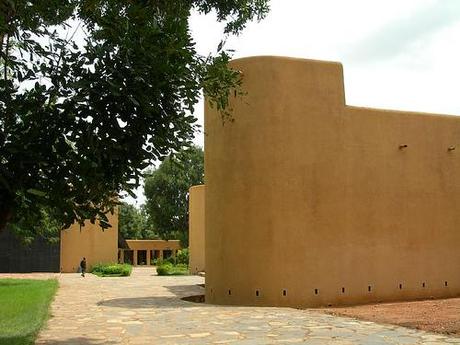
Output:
x=441 y=316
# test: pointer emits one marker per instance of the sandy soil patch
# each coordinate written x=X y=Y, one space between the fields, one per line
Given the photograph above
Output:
x=440 y=316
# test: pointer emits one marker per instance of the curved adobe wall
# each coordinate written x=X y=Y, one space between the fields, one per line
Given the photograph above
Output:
x=196 y=229
x=311 y=202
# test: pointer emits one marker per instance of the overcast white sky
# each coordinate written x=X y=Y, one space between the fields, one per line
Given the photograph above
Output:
x=396 y=54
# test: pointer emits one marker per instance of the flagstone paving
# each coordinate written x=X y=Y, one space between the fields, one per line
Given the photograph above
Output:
x=147 y=309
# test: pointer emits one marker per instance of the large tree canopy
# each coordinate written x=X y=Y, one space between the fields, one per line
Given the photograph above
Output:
x=167 y=190
x=133 y=223
x=80 y=121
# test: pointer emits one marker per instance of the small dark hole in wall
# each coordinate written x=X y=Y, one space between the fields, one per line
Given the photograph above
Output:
x=445 y=283
x=257 y=293
x=400 y=286
x=423 y=284
x=229 y=292
x=369 y=288
x=284 y=292
x=343 y=290
x=316 y=291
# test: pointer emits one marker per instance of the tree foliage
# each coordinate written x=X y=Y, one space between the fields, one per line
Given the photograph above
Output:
x=167 y=190
x=79 y=121
x=133 y=223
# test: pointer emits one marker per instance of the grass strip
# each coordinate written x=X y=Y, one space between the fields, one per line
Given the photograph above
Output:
x=24 y=309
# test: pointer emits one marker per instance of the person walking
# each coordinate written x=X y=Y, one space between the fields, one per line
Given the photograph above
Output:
x=83 y=267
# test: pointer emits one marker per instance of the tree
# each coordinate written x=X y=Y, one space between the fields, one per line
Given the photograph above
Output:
x=166 y=191
x=133 y=224
x=130 y=222
x=80 y=121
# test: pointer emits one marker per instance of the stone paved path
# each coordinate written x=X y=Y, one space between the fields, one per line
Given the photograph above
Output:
x=147 y=309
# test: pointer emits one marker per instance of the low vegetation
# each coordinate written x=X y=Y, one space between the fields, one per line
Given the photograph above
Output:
x=182 y=256
x=169 y=269
x=112 y=270
x=24 y=309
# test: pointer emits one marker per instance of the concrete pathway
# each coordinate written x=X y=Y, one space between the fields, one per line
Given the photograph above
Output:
x=147 y=309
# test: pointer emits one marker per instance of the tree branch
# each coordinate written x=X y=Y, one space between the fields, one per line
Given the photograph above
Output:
x=67 y=42
x=2 y=35
x=5 y=60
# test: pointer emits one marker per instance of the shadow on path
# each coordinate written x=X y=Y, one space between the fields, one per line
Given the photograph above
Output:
x=146 y=302
x=186 y=290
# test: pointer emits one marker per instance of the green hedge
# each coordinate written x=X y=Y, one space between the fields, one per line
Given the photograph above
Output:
x=168 y=269
x=112 y=270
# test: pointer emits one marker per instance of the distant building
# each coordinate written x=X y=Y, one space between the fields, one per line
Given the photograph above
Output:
x=90 y=241
x=144 y=252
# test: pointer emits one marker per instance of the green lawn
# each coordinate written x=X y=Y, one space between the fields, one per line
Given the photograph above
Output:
x=24 y=308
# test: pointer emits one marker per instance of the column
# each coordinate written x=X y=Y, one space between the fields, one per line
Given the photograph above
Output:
x=148 y=257
x=161 y=254
x=122 y=256
x=135 y=257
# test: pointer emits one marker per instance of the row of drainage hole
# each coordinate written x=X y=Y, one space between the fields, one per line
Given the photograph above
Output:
x=369 y=289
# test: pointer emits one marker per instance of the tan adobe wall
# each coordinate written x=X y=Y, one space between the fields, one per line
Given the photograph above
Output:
x=311 y=202
x=196 y=228
x=92 y=242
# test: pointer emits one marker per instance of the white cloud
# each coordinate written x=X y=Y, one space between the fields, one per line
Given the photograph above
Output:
x=396 y=54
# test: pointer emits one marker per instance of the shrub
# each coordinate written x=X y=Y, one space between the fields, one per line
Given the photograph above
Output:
x=168 y=269
x=163 y=268
x=157 y=261
x=182 y=256
x=171 y=260
x=112 y=270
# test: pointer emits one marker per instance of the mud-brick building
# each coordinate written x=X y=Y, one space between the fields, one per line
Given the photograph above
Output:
x=144 y=252
x=310 y=201
x=76 y=242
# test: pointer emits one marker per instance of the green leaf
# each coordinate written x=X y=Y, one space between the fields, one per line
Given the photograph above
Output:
x=36 y=192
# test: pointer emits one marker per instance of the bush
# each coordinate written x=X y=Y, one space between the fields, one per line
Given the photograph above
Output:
x=169 y=269
x=156 y=261
x=112 y=270
x=171 y=260
x=182 y=256
x=160 y=261
x=163 y=268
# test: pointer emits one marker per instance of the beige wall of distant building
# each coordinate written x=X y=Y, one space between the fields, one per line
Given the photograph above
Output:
x=196 y=229
x=311 y=202
x=149 y=249
x=97 y=245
